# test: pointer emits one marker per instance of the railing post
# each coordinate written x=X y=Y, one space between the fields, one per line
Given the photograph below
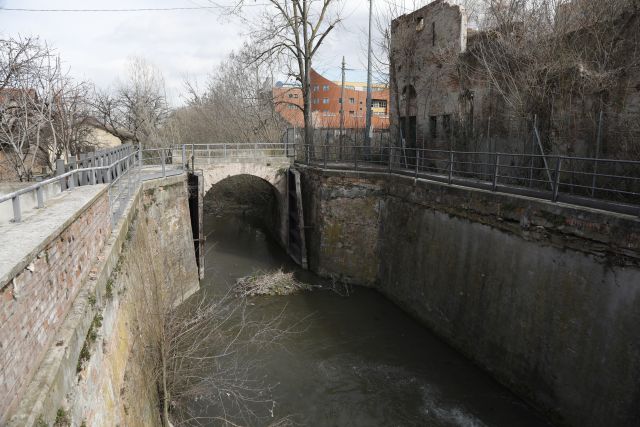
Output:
x=193 y=157
x=83 y=179
x=40 y=197
x=184 y=157
x=17 y=213
x=60 y=171
x=355 y=156
x=224 y=150
x=417 y=162
x=324 y=155
x=556 y=181
x=128 y=179
x=450 y=166
x=164 y=174
x=496 y=171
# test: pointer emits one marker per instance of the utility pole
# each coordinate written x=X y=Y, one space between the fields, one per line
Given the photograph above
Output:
x=342 y=107
x=367 y=135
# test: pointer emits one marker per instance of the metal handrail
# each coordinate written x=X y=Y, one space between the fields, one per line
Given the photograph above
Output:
x=614 y=186
x=37 y=187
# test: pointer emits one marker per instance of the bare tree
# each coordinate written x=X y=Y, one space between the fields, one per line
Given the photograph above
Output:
x=31 y=75
x=137 y=108
x=293 y=31
x=235 y=106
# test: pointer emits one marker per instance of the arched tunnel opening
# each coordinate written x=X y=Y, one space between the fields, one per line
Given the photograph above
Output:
x=248 y=197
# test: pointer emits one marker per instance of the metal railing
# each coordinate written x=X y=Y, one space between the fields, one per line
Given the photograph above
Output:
x=608 y=184
x=69 y=180
x=121 y=169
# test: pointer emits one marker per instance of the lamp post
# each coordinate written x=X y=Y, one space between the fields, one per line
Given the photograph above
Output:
x=367 y=135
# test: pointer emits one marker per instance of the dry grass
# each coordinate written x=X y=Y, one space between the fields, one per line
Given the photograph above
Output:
x=275 y=282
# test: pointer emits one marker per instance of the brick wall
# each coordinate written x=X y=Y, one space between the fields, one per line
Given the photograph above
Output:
x=37 y=300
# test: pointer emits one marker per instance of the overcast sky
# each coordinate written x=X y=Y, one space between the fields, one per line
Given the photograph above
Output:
x=183 y=44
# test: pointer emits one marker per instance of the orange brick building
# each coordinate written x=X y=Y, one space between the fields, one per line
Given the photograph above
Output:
x=326 y=101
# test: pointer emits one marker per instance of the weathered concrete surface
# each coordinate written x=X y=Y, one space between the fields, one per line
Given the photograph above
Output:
x=152 y=244
x=343 y=215
x=544 y=296
x=28 y=201
x=21 y=242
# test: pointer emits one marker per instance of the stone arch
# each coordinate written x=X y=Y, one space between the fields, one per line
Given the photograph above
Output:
x=273 y=173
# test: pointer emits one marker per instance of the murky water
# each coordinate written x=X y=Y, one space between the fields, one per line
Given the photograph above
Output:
x=359 y=360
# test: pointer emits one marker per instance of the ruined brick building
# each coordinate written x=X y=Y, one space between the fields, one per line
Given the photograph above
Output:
x=457 y=88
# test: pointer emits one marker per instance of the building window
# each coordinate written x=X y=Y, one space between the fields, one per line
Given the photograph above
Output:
x=446 y=124
x=295 y=95
x=352 y=113
x=291 y=106
x=325 y=88
x=433 y=126
x=325 y=100
x=316 y=88
x=379 y=103
x=352 y=100
x=339 y=100
x=315 y=100
x=290 y=95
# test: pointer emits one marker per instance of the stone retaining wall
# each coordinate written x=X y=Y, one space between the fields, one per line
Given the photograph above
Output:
x=544 y=296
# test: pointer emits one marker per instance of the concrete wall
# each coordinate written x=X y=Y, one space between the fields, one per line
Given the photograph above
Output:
x=150 y=246
x=546 y=297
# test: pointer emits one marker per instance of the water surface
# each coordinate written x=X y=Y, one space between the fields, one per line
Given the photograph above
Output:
x=358 y=360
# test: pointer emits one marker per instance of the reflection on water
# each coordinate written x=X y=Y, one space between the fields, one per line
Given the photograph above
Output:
x=360 y=361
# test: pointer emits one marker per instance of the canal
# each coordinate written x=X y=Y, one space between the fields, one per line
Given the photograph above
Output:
x=352 y=360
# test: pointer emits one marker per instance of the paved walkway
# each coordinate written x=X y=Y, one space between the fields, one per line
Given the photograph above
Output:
x=20 y=242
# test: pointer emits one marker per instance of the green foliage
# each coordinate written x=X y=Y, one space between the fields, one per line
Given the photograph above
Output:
x=109 y=288
x=92 y=300
x=92 y=336
x=62 y=419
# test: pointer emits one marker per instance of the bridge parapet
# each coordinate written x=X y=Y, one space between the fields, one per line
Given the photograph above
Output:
x=191 y=155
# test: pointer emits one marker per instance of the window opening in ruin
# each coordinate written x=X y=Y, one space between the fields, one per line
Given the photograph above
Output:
x=420 y=24
x=433 y=34
x=446 y=124
x=433 y=126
